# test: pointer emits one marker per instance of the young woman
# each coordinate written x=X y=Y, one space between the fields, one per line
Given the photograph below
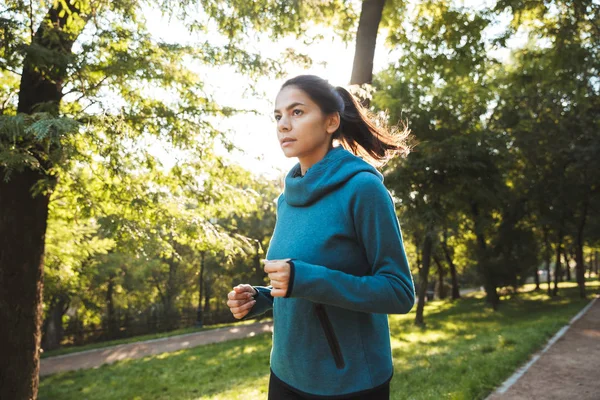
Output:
x=336 y=261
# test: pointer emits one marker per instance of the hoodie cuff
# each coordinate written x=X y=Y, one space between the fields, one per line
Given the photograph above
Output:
x=292 y=278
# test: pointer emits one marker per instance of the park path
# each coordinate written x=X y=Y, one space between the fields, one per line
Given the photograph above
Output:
x=95 y=358
x=567 y=368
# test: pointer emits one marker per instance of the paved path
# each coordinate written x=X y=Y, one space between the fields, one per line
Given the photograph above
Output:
x=568 y=368
x=107 y=355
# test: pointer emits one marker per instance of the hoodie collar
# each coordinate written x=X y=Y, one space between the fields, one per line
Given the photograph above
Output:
x=326 y=175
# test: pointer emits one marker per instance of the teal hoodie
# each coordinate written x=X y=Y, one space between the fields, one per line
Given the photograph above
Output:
x=349 y=270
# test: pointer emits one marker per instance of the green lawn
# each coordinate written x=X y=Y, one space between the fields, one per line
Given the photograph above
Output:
x=77 y=349
x=465 y=351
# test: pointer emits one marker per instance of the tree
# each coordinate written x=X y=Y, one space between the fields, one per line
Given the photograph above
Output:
x=554 y=127
x=366 y=39
x=440 y=85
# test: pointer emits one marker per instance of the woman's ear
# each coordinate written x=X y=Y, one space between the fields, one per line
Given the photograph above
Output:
x=332 y=122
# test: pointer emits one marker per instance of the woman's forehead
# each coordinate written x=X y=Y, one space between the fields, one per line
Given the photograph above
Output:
x=291 y=95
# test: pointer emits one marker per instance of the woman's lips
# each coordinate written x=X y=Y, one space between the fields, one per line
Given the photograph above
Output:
x=287 y=143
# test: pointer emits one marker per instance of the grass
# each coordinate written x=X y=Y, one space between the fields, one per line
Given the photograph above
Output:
x=183 y=331
x=464 y=352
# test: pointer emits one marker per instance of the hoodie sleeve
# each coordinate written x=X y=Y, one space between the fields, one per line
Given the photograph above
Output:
x=389 y=288
x=264 y=302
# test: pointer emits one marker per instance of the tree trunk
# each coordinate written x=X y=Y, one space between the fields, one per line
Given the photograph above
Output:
x=580 y=265
x=423 y=277
x=199 y=315
x=207 y=296
x=170 y=295
x=22 y=229
x=557 y=268
x=418 y=251
x=53 y=330
x=567 y=265
x=489 y=283
x=536 y=278
x=111 y=320
x=488 y=280
x=23 y=219
x=441 y=273
x=455 y=287
x=547 y=257
x=366 y=40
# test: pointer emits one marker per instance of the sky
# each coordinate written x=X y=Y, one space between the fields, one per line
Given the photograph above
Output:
x=256 y=134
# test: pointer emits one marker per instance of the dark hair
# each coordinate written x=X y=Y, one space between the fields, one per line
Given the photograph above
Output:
x=361 y=132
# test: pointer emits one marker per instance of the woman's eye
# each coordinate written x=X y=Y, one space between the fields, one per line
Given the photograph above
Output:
x=297 y=112
x=277 y=117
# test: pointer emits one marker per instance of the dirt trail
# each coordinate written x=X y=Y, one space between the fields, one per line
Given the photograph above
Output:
x=568 y=369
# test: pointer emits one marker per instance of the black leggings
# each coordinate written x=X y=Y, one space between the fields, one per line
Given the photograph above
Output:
x=279 y=391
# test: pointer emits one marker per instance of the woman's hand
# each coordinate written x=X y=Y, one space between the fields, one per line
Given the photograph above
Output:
x=279 y=274
x=240 y=300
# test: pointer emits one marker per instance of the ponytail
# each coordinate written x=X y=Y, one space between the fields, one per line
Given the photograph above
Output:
x=366 y=134
x=363 y=133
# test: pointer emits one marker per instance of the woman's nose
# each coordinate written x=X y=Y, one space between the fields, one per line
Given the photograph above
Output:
x=283 y=124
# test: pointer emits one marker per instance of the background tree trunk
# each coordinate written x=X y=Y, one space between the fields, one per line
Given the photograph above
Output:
x=199 y=314
x=547 y=256
x=53 y=330
x=557 y=267
x=170 y=295
x=112 y=326
x=207 y=295
x=441 y=289
x=423 y=278
x=366 y=40
x=580 y=264
x=489 y=283
x=567 y=265
x=418 y=252
x=452 y=267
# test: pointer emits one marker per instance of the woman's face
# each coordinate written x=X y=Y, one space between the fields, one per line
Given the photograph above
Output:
x=302 y=128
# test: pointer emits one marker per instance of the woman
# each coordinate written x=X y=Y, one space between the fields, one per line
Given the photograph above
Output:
x=336 y=261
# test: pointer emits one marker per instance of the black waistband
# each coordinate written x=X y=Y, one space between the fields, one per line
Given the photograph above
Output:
x=372 y=393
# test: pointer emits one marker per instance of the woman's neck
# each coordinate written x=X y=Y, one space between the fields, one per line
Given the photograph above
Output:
x=307 y=162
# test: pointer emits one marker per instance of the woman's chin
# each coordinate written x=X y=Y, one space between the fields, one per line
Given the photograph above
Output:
x=288 y=153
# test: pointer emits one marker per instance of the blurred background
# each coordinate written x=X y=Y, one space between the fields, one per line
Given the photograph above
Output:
x=144 y=130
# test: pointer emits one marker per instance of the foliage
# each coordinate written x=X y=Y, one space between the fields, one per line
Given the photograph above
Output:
x=507 y=146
